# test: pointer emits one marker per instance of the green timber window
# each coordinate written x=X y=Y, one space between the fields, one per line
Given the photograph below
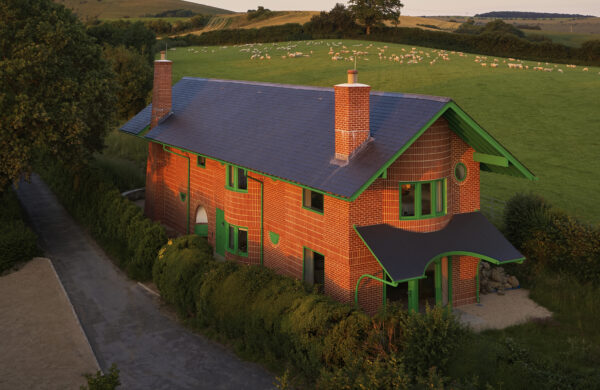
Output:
x=314 y=268
x=421 y=200
x=312 y=200
x=201 y=161
x=237 y=179
x=237 y=240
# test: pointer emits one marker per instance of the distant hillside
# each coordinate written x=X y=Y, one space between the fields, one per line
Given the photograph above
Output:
x=113 y=9
x=240 y=20
x=528 y=15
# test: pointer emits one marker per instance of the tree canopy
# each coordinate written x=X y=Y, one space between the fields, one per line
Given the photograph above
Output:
x=56 y=91
x=372 y=12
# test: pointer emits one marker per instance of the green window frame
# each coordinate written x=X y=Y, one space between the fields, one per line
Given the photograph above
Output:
x=236 y=178
x=236 y=240
x=436 y=206
x=313 y=201
x=201 y=161
x=457 y=172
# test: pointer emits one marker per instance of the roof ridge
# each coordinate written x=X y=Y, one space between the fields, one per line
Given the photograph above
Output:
x=322 y=89
x=263 y=83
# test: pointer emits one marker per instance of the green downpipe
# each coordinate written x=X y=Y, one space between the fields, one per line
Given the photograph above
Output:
x=450 y=281
x=438 y=282
x=393 y=284
x=188 y=183
x=262 y=239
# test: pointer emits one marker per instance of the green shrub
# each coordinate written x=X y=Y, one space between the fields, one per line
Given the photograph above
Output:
x=551 y=239
x=117 y=223
x=523 y=215
x=178 y=266
x=277 y=320
x=17 y=241
x=109 y=381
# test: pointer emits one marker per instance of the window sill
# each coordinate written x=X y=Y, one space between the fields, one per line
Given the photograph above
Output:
x=314 y=210
x=233 y=189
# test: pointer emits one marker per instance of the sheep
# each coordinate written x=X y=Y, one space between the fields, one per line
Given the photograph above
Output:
x=585 y=69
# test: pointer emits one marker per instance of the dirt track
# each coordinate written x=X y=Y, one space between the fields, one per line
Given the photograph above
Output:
x=42 y=345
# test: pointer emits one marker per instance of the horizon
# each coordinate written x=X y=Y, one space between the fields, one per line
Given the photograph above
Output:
x=423 y=8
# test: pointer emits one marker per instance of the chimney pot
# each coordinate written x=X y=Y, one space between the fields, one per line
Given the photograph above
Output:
x=352 y=76
x=162 y=54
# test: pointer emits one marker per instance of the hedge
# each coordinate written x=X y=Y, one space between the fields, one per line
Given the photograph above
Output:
x=117 y=223
x=551 y=239
x=280 y=321
x=494 y=44
x=17 y=241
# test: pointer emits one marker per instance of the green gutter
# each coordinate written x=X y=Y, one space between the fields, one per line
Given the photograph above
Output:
x=262 y=189
x=188 y=183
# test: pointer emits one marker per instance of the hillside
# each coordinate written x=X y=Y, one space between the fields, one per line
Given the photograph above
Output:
x=112 y=9
x=239 y=20
x=528 y=15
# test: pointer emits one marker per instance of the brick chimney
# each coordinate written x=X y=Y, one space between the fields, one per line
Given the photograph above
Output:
x=161 y=94
x=351 y=116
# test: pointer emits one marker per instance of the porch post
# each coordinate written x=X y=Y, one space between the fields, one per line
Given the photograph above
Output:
x=438 y=282
x=413 y=296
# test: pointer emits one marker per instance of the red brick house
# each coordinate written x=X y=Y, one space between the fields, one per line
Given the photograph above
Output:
x=370 y=195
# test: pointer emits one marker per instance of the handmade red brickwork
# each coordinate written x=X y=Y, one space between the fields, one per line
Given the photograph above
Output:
x=432 y=156
x=161 y=94
x=351 y=118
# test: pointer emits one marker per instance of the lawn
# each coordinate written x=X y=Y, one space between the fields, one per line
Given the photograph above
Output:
x=549 y=120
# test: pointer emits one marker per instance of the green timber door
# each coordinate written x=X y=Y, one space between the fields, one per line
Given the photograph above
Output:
x=221 y=233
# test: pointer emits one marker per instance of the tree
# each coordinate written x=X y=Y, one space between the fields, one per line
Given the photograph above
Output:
x=56 y=91
x=339 y=20
x=134 y=79
x=372 y=12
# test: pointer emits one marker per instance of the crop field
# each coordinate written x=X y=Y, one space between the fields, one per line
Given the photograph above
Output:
x=564 y=38
x=550 y=120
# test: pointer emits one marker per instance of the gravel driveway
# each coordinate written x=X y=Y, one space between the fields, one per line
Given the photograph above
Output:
x=122 y=320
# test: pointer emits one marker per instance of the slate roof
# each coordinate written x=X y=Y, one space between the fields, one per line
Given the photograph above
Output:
x=285 y=131
x=404 y=254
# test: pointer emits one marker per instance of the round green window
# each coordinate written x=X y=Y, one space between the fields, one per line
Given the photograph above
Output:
x=460 y=171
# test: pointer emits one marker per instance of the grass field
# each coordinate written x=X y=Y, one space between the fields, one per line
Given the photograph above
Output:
x=549 y=120
x=564 y=38
x=112 y=9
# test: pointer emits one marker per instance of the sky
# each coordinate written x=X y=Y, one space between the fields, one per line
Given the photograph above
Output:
x=425 y=7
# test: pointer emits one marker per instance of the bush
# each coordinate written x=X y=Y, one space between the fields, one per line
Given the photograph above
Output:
x=17 y=241
x=117 y=223
x=175 y=271
x=101 y=381
x=523 y=215
x=277 y=320
x=551 y=239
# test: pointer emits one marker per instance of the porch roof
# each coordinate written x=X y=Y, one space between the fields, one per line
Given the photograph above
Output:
x=405 y=255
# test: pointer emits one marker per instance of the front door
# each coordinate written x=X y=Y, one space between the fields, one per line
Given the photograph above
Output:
x=221 y=233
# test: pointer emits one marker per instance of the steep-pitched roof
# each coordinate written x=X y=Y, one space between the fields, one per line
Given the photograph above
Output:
x=287 y=131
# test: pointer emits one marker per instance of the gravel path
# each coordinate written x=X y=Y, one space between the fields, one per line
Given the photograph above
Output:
x=501 y=311
x=42 y=345
x=122 y=320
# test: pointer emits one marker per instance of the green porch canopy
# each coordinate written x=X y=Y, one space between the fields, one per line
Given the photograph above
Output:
x=405 y=255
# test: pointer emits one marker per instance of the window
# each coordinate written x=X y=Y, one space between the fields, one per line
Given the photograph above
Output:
x=314 y=268
x=460 y=171
x=422 y=200
x=237 y=179
x=237 y=240
x=201 y=161
x=312 y=200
